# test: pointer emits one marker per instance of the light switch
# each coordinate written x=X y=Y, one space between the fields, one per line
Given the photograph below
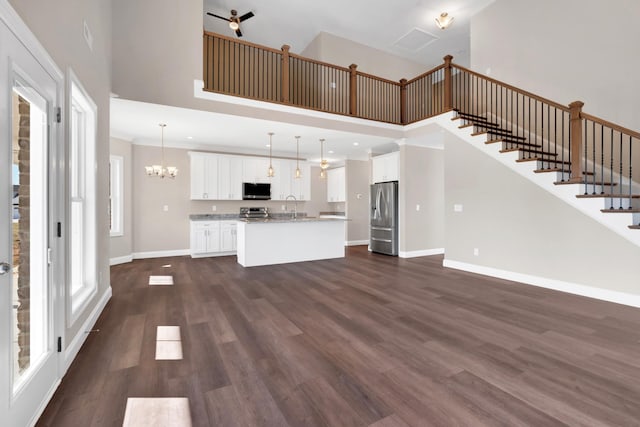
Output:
x=417 y=207
x=457 y=208
x=214 y=208
x=165 y=208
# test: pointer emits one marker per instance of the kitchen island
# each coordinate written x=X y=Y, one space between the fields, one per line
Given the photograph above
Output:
x=284 y=240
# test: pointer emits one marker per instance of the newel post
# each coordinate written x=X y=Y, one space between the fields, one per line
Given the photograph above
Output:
x=285 y=73
x=448 y=84
x=403 y=101
x=353 y=90
x=575 y=120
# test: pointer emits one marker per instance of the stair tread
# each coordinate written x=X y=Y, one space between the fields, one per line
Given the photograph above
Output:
x=635 y=210
x=527 y=150
x=634 y=227
x=551 y=170
x=488 y=132
x=485 y=125
x=509 y=141
x=533 y=159
x=609 y=196
x=582 y=182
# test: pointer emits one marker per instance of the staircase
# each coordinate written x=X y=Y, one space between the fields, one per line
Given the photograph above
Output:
x=602 y=193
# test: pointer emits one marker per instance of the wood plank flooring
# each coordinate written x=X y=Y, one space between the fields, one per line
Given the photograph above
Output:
x=367 y=340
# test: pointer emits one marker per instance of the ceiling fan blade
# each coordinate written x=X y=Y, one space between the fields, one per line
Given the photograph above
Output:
x=238 y=32
x=218 y=16
x=246 y=16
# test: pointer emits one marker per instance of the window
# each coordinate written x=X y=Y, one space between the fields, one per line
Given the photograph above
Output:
x=82 y=189
x=115 y=195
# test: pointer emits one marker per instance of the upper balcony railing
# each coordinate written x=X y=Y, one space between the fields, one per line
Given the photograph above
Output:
x=577 y=145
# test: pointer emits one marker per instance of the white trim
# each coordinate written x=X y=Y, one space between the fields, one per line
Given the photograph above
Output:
x=71 y=350
x=16 y=25
x=624 y=298
x=43 y=405
x=161 y=254
x=199 y=92
x=423 y=252
x=121 y=260
x=116 y=196
x=356 y=242
x=213 y=254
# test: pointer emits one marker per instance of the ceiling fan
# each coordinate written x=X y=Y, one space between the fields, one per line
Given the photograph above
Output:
x=234 y=20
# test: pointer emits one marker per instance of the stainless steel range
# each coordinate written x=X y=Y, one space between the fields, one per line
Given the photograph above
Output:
x=254 y=212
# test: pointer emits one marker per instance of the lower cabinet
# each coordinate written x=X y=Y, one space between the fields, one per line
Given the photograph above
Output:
x=213 y=238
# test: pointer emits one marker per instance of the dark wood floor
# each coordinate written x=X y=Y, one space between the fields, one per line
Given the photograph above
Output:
x=365 y=340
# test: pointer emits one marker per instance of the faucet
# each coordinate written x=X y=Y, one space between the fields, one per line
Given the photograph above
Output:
x=295 y=205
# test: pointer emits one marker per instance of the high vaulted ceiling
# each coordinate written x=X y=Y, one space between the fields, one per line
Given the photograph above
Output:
x=378 y=24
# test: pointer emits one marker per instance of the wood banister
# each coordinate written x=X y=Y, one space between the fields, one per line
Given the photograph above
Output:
x=610 y=125
x=237 y=41
x=403 y=101
x=353 y=90
x=448 y=84
x=285 y=73
x=575 y=120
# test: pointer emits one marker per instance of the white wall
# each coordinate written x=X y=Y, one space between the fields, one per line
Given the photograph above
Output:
x=566 y=51
x=336 y=50
x=519 y=227
x=357 y=174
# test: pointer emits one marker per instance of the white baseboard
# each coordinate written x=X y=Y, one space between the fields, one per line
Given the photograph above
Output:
x=543 y=282
x=356 y=242
x=161 y=254
x=121 y=260
x=44 y=403
x=424 y=252
x=73 y=348
x=214 y=254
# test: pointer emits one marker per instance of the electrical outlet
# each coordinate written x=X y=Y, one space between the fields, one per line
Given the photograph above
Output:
x=417 y=207
x=214 y=208
x=476 y=251
x=284 y=207
x=457 y=208
x=165 y=208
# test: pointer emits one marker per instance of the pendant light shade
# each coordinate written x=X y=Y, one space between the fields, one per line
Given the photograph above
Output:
x=324 y=164
x=298 y=173
x=444 y=20
x=271 y=173
x=160 y=170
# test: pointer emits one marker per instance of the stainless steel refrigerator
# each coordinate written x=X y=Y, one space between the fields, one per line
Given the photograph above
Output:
x=384 y=218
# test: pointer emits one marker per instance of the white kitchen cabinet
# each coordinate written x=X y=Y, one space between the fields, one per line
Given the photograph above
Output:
x=204 y=176
x=385 y=167
x=285 y=183
x=213 y=238
x=228 y=236
x=336 y=185
x=255 y=169
x=229 y=177
x=205 y=237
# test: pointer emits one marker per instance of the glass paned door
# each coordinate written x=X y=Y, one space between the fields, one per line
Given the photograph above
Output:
x=29 y=361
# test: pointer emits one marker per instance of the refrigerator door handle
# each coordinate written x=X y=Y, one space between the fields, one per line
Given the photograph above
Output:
x=381 y=240
x=382 y=228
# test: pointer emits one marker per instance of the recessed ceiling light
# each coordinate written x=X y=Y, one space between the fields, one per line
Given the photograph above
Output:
x=330 y=151
x=268 y=145
x=356 y=143
x=189 y=137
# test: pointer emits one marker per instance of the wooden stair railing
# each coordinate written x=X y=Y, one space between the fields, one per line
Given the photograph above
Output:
x=580 y=148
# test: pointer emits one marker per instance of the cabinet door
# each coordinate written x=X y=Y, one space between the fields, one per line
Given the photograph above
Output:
x=228 y=237
x=341 y=182
x=204 y=176
x=254 y=169
x=336 y=185
x=199 y=240
x=392 y=167
x=378 y=169
x=229 y=178
x=213 y=238
x=301 y=187
x=281 y=182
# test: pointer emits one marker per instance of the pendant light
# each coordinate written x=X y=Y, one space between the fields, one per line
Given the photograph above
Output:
x=444 y=20
x=298 y=173
x=324 y=164
x=271 y=173
x=160 y=170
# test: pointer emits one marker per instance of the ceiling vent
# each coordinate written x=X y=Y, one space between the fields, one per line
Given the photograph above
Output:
x=415 y=40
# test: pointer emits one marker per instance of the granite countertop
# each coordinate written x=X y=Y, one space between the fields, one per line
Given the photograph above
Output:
x=273 y=216
x=214 y=217
x=288 y=219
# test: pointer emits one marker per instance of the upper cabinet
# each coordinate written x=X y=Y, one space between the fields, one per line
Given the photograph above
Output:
x=255 y=169
x=301 y=187
x=386 y=167
x=336 y=185
x=284 y=183
x=229 y=177
x=204 y=176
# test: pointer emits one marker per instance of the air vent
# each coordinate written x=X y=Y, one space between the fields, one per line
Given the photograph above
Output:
x=415 y=40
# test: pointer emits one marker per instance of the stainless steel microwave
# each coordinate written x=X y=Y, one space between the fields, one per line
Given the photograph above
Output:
x=256 y=191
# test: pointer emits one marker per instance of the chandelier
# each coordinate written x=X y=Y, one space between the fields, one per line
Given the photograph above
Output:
x=160 y=170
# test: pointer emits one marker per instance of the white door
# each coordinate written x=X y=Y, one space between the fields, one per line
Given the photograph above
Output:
x=28 y=317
